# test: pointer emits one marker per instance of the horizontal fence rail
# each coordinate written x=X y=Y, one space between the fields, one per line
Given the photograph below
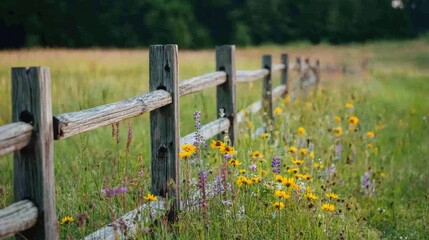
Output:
x=35 y=127
x=14 y=137
x=17 y=217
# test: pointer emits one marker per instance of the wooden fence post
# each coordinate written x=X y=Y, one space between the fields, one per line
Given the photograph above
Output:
x=164 y=126
x=267 y=97
x=34 y=164
x=225 y=93
x=284 y=74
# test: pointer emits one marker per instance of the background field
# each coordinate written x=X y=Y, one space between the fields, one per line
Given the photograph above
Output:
x=392 y=89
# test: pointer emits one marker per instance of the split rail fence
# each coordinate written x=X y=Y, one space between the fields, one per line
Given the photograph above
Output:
x=30 y=137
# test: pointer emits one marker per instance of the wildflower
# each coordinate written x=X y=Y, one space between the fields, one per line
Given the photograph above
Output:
x=257 y=154
x=279 y=205
x=298 y=162
x=298 y=175
x=354 y=120
x=281 y=194
x=307 y=177
x=265 y=135
x=370 y=134
x=262 y=173
x=255 y=180
x=252 y=167
x=293 y=170
x=111 y=192
x=228 y=150
x=310 y=197
x=292 y=149
x=349 y=105
x=311 y=155
x=189 y=148
x=301 y=131
x=234 y=162
x=66 y=220
x=366 y=183
x=318 y=165
x=278 y=178
x=332 y=196
x=338 y=150
x=185 y=155
x=337 y=119
x=242 y=171
x=277 y=111
x=290 y=182
x=370 y=146
x=328 y=207
x=241 y=180
x=217 y=144
x=303 y=151
x=275 y=164
x=382 y=174
x=338 y=131
x=150 y=197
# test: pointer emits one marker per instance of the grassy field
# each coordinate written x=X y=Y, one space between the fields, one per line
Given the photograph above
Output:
x=389 y=98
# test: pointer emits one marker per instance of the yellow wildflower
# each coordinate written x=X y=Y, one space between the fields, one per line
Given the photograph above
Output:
x=189 y=148
x=349 y=105
x=290 y=182
x=227 y=150
x=279 y=178
x=328 y=207
x=257 y=154
x=185 y=155
x=337 y=119
x=354 y=120
x=241 y=180
x=292 y=149
x=279 y=205
x=319 y=165
x=370 y=134
x=332 y=196
x=265 y=135
x=242 y=171
x=310 y=197
x=281 y=194
x=66 y=220
x=277 y=111
x=293 y=170
x=338 y=131
x=262 y=173
x=382 y=174
x=255 y=180
x=307 y=177
x=234 y=162
x=150 y=197
x=301 y=131
x=303 y=151
x=217 y=144
x=298 y=162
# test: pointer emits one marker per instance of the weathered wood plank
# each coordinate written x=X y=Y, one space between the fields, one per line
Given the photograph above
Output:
x=133 y=221
x=17 y=217
x=250 y=75
x=267 y=98
x=279 y=66
x=202 y=82
x=14 y=136
x=34 y=164
x=284 y=58
x=226 y=92
x=278 y=91
x=208 y=130
x=164 y=126
x=73 y=123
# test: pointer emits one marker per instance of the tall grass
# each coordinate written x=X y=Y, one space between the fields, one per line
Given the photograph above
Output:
x=389 y=99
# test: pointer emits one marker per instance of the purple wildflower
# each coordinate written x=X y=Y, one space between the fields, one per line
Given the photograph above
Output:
x=112 y=192
x=366 y=183
x=202 y=178
x=275 y=164
x=252 y=167
x=338 y=150
x=330 y=171
x=217 y=185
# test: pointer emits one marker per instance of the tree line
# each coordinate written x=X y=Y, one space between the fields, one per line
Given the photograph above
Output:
x=204 y=23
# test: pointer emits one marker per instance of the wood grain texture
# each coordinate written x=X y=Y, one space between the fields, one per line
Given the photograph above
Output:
x=17 y=217
x=267 y=98
x=208 y=130
x=14 y=136
x=34 y=164
x=251 y=75
x=205 y=81
x=284 y=58
x=164 y=126
x=73 y=123
x=226 y=92
x=133 y=221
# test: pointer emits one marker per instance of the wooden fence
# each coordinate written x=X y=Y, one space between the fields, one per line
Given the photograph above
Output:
x=31 y=135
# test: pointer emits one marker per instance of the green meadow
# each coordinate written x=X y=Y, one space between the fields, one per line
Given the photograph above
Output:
x=348 y=163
